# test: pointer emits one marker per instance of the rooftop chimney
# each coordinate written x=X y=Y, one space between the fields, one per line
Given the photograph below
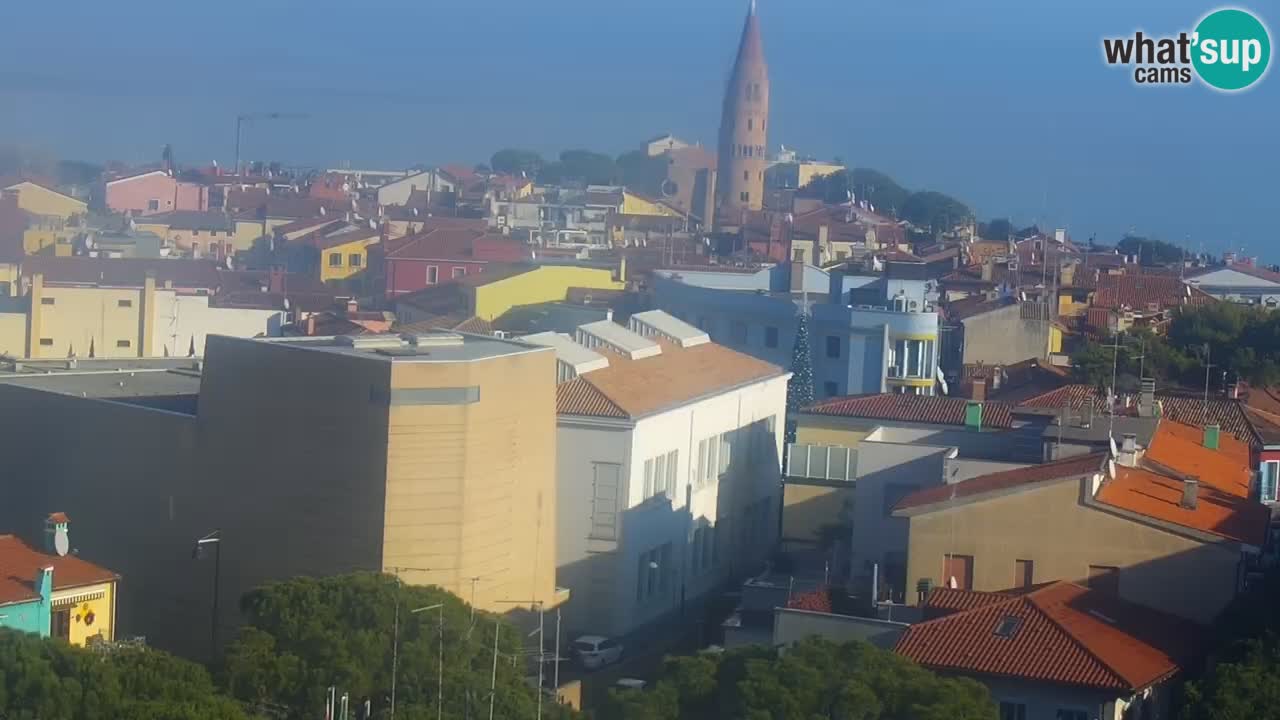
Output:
x=56 y=540
x=973 y=415
x=1211 y=432
x=796 y=278
x=979 y=392
x=1147 y=398
x=1128 y=450
x=1190 y=486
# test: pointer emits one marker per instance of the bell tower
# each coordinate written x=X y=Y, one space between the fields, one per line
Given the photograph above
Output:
x=744 y=126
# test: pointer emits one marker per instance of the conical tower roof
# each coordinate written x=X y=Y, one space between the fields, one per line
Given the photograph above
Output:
x=750 y=47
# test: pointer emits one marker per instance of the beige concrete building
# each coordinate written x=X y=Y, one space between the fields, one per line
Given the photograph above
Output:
x=429 y=456
x=1143 y=527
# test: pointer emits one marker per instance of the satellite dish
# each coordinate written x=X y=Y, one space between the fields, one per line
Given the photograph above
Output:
x=415 y=212
x=670 y=188
x=323 y=212
x=228 y=263
x=89 y=241
x=286 y=303
x=346 y=187
x=61 y=543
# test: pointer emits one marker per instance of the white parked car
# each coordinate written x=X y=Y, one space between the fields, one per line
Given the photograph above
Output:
x=630 y=684
x=596 y=651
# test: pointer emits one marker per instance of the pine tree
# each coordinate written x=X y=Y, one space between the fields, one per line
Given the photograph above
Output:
x=800 y=386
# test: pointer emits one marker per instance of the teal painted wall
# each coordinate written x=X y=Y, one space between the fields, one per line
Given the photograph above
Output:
x=33 y=616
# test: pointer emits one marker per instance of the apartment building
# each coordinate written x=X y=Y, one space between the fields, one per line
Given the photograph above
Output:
x=870 y=331
x=430 y=456
x=668 y=465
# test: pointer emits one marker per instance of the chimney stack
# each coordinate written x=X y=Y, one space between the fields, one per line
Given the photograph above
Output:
x=1129 y=450
x=979 y=392
x=1190 y=486
x=1211 y=432
x=1147 y=398
x=796 y=277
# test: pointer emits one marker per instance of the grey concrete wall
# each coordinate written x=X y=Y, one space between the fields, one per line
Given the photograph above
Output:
x=1002 y=337
x=791 y=626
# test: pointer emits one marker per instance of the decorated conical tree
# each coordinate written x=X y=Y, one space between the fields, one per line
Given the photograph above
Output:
x=800 y=386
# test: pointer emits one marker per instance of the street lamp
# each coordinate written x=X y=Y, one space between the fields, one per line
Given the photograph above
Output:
x=395 y=633
x=439 y=658
x=213 y=540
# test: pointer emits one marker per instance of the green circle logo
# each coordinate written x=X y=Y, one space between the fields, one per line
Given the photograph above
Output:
x=1232 y=49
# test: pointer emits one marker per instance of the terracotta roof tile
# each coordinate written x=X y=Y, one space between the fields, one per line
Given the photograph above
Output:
x=1181 y=448
x=935 y=410
x=1140 y=291
x=1061 y=633
x=579 y=397
x=994 y=482
x=19 y=563
x=1159 y=497
x=642 y=387
x=1186 y=408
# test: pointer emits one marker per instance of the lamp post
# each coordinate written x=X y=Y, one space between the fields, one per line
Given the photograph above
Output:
x=214 y=540
x=395 y=632
x=439 y=658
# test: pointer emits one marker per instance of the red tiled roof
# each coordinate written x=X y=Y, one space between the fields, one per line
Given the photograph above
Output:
x=1140 y=291
x=636 y=388
x=1159 y=497
x=1181 y=448
x=983 y=484
x=458 y=243
x=816 y=601
x=19 y=563
x=1188 y=409
x=579 y=397
x=1061 y=633
x=972 y=306
x=935 y=410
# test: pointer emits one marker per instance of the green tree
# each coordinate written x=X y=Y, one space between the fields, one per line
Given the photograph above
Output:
x=878 y=189
x=800 y=386
x=813 y=679
x=642 y=172
x=514 y=162
x=306 y=634
x=1151 y=252
x=1243 y=688
x=935 y=210
x=45 y=678
x=998 y=229
x=584 y=166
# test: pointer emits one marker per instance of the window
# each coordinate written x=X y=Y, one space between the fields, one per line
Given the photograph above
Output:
x=841 y=255
x=1104 y=578
x=1007 y=626
x=727 y=441
x=1012 y=711
x=61 y=624
x=738 y=332
x=355 y=260
x=746 y=175
x=604 y=501
x=750 y=124
x=195 y=233
x=47 y=301
x=771 y=336
x=1023 y=573
x=743 y=196
x=153 y=204
x=459 y=272
x=830 y=389
x=797 y=256
x=1267 y=481
x=833 y=346
x=1071 y=714
x=660 y=474
x=708 y=461
x=653 y=573
x=433 y=274
x=123 y=343
x=124 y=303
x=957 y=572
x=335 y=259
x=46 y=342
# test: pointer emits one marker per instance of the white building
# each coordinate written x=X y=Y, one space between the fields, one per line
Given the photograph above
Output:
x=398 y=192
x=1240 y=284
x=668 y=453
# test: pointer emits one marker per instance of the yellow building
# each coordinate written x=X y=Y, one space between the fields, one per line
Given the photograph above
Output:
x=432 y=457
x=491 y=294
x=811 y=170
x=48 y=235
x=42 y=201
x=633 y=204
x=53 y=593
x=346 y=254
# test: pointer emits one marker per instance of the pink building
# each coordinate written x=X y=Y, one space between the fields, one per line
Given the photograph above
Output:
x=155 y=192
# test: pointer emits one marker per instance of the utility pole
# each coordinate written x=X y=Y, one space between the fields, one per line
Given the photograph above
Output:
x=493 y=676
x=1207 y=366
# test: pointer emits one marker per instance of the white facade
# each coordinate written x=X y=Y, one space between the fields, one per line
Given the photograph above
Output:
x=1235 y=286
x=697 y=499
x=397 y=192
x=181 y=320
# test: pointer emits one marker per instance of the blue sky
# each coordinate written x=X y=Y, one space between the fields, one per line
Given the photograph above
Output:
x=1005 y=104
